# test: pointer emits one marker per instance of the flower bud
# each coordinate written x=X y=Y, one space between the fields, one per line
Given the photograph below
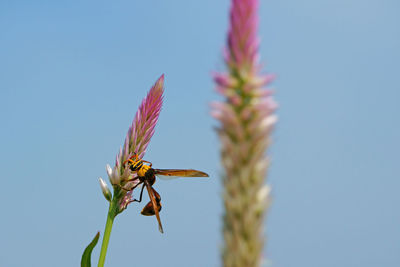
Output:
x=109 y=171
x=104 y=188
x=113 y=174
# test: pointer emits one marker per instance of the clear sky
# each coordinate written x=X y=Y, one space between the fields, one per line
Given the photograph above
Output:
x=72 y=74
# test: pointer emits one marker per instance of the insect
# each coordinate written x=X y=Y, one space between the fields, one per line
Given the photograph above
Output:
x=147 y=176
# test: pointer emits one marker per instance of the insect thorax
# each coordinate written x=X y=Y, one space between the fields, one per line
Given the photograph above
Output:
x=147 y=173
x=143 y=170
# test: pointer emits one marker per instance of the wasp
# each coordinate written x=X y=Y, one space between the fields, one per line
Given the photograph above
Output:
x=146 y=176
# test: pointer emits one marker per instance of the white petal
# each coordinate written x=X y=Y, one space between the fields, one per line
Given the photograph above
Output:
x=109 y=171
x=104 y=188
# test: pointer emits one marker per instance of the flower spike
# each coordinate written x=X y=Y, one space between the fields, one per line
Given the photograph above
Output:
x=245 y=120
x=142 y=128
x=137 y=140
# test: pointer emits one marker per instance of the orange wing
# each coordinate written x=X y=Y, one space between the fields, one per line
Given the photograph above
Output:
x=179 y=173
x=154 y=203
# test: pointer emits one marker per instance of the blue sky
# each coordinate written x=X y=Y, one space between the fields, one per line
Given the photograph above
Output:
x=73 y=73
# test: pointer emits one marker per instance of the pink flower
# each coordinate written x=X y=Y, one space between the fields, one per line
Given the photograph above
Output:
x=142 y=128
x=137 y=139
x=243 y=43
x=246 y=120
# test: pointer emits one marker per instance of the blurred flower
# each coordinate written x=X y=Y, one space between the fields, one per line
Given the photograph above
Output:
x=246 y=120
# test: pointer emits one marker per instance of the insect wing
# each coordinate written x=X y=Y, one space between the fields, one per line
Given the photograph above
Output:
x=167 y=174
x=154 y=204
x=148 y=210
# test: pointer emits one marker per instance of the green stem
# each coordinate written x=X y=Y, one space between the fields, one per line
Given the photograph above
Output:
x=112 y=212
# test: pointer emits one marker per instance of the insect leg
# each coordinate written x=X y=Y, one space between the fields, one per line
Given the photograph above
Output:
x=150 y=164
x=135 y=200
x=131 y=180
x=141 y=194
x=133 y=156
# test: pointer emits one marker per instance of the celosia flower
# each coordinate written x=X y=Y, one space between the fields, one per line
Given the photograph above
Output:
x=246 y=120
x=136 y=141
